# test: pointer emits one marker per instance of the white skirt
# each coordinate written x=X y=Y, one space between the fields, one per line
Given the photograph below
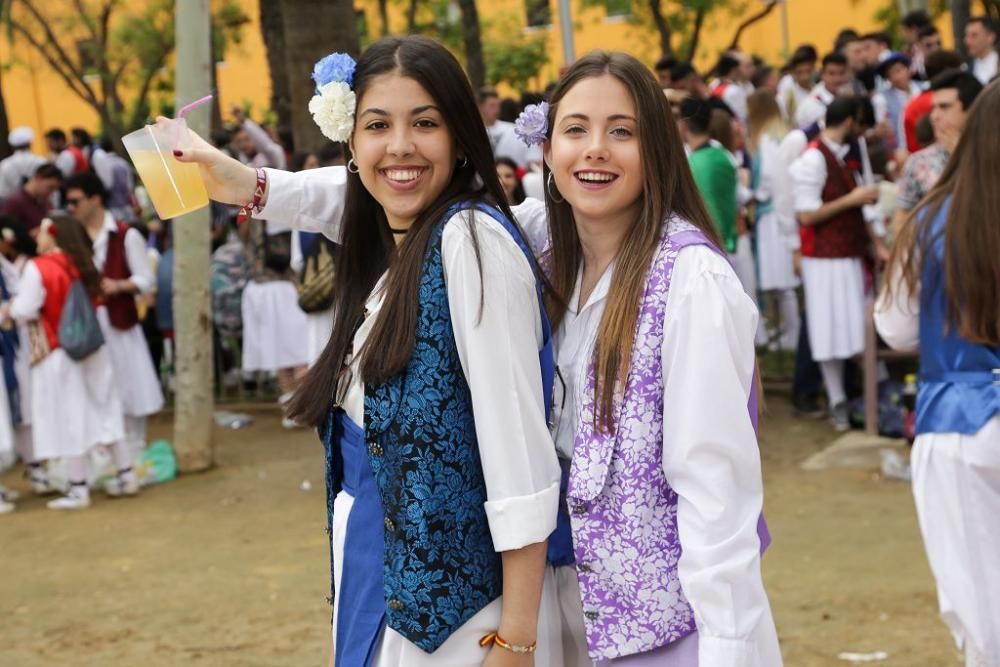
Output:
x=76 y=405
x=135 y=376
x=835 y=306
x=774 y=256
x=462 y=648
x=274 y=327
x=319 y=326
x=956 y=486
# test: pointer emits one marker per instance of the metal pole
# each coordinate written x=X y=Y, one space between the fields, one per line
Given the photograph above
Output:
x=785 y=42
x=194 y=402
x=566 y=27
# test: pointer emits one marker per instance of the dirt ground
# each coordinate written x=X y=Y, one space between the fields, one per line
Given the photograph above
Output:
x=230 y=567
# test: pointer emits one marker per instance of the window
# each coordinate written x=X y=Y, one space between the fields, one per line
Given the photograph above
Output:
x=618 y=7
x=539 y=13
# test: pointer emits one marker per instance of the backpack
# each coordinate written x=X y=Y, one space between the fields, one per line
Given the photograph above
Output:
x=79 y=331
x=316 y=283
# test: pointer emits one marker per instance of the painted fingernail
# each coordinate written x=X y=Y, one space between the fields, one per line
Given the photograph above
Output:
x=178 y=153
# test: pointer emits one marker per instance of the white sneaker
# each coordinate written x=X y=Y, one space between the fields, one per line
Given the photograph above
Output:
x=6 y=507
x=74 y=500
x=840 y=417
x=122 y=484
x=7 y=495
x=289 y=423
x=41 y=485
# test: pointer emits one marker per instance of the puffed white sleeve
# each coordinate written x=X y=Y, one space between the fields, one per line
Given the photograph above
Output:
x=138 y=261
x=808 y=174
x=310 y=200
x=711 y=458
x=30 y=297
x=534 y=222
x=498 y=338
x=897 y=317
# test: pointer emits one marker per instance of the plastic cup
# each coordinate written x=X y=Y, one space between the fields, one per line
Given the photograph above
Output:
x=175 y=188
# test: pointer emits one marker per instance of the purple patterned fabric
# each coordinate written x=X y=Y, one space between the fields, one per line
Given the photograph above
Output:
x=623 y=511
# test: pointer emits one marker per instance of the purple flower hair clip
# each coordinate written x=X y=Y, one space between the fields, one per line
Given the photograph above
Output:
x=532 y=125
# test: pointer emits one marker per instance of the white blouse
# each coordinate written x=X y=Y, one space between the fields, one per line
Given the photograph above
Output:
x=497 y=345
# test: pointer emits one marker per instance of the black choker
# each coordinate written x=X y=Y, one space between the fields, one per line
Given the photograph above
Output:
x=398 y=231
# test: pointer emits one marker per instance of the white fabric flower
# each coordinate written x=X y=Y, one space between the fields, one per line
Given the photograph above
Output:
x=333 y=110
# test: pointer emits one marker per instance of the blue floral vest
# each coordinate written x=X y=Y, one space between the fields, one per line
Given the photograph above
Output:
x=440 y=567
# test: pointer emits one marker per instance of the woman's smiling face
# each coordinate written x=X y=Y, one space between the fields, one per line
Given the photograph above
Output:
x=404 y=152
x=594 y=154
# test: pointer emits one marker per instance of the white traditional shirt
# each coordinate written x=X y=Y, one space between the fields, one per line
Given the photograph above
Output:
x=135 y=254
x=16 y=169
x=813 y=108
x=985 y=68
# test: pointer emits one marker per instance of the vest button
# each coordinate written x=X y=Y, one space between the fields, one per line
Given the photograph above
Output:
x=583 y=567
x=591 y=615
x=579 y=509
x=389 y=525
x=395 y=605
x=374 y=449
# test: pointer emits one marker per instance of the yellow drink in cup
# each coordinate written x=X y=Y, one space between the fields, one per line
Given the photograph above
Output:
x=174 y=188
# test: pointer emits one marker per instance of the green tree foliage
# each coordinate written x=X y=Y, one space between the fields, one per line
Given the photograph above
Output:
x=513 y=56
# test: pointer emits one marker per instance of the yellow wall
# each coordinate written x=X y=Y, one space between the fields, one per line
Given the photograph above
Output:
x=36 y=96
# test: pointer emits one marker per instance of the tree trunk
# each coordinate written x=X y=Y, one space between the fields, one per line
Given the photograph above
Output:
x=383 y=13
x=272 y=28
x=662 y=27
x=762 y=14
x=4 y=125
x=192 y=264
x=960 y=13
x=699 y=21
x=411 y=17
x=313 y=29
x=475 y=64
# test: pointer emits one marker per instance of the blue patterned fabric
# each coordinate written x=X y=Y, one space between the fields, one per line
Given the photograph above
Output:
x=960 y=381
x=440 y=567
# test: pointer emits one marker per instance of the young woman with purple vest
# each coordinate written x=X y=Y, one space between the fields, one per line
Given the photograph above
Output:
x=122 y=260
x=654 y=400
x=941 y=296
x=430 y=396
x=75 y=404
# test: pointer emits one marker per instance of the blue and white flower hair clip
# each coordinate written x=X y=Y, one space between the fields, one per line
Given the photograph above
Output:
x=333 y=105
x=532 y=125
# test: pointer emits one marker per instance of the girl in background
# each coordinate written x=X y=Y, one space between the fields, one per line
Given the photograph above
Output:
x=510 y=180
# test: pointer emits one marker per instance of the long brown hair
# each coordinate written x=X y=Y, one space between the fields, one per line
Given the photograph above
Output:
x=71 y=237
x=368 y=248
x=971 y=235
x=764 y=117
x=668 y=190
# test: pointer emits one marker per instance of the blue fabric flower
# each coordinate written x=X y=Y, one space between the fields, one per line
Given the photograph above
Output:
x=532 y=125
x=334 y=67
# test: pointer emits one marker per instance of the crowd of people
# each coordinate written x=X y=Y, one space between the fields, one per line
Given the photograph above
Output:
x=561 y=269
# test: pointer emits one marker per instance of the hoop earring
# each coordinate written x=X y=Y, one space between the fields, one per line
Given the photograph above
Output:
x=548 y=188
x=464 y=163
x=351 y=163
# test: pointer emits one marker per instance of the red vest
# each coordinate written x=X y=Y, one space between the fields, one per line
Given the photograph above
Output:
x=80 y=161
x=57 y=273
x=845 y=234
x=121 y=307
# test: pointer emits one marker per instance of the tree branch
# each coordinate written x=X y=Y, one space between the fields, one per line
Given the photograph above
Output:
x=735 y=43
x=656 y=9
x=699 y=21
x=53 y=42
x=77 y=86
x=411 y=16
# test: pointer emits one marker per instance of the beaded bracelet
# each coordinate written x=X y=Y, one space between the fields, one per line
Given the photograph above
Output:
x=495 y=639
x=255 y=206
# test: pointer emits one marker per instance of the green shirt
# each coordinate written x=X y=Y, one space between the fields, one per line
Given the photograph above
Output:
x=715 y=176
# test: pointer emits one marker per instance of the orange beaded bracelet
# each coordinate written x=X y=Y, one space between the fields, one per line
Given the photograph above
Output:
x=495 y=639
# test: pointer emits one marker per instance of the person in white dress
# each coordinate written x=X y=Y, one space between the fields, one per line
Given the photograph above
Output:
x=76 y=405
x=776 y=227
x=414 y=152
x=941 y=297
x=121 y=258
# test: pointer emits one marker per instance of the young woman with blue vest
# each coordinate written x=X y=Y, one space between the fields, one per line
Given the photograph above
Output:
x=654 y=399
x=941 y=297
x=430 y=395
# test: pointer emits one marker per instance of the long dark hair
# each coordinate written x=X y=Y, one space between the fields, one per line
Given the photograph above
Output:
x=368 y=247
x=73 y=240
x=668 y=189
x=971 y=231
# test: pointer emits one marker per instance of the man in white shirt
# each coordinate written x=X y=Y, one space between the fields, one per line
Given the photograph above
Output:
x=20 y=166
x=503 y=140
x=795 y=86
x=253 y=145
x=981 y=43
x=832 y=78
x=730 y=89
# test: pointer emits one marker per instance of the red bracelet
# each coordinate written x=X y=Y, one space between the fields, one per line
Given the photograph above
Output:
x=255 y=206
x=495 y=639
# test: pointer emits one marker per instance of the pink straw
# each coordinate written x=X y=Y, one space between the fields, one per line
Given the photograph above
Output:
x=187 y=107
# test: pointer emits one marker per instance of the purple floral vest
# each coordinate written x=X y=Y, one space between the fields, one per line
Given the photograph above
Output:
x=623 y=511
